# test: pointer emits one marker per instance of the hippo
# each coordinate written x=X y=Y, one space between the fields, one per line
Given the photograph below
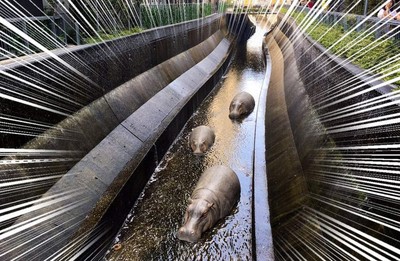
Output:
x=213 y=198
x=241 y=105
x=201 y=139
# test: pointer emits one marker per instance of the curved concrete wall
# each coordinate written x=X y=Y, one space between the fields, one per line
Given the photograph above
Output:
x=150 y=70
x=297 y=158
x=148 y=112
x=77 y=76
x=297 y=107
x=287 y=188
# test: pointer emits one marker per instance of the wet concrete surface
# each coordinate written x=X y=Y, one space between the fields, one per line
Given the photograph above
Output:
x=286 y=183
x=355 y=212
x=149 y=231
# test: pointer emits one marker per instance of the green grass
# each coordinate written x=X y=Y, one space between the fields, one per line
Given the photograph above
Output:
x=366 y=52
x=107 y=36
x=155 y=16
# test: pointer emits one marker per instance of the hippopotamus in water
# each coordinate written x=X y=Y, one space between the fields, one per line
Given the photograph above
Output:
x=201 y=139
x=241 y=105
x=216 y=192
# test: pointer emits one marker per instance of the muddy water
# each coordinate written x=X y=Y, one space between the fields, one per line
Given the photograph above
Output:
x=149 y=231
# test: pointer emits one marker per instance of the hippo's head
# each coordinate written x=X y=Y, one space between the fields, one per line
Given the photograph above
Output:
x=237 y=109
x=198 y=218
x=198 y=147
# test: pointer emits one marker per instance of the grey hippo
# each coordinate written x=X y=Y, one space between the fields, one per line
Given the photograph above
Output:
x=201 y=139
x=213 y=198
x=241 y=105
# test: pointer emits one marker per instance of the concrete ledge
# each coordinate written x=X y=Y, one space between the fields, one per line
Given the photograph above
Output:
x=102 y=187
x=286 y=182
x=79 y=133
x=306 y=93
x=262 y=233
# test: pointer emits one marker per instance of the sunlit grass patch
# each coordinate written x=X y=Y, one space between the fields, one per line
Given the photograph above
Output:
x=160 y=15
x=110 y=36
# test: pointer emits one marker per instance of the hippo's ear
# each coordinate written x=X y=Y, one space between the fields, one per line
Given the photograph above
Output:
x=190 y=200
x=210 y=205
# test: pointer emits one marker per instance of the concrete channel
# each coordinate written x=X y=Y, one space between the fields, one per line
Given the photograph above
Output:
x=149 y=231
x=83 y=210
x=127 y=170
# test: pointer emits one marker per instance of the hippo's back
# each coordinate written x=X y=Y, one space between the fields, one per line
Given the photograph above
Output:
x=203 y=132
x=245 y=97
x=222 y=180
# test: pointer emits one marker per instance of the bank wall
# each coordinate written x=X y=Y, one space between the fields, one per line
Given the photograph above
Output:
x=334 y=112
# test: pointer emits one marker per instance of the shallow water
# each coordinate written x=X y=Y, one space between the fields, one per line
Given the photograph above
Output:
x=149 y=231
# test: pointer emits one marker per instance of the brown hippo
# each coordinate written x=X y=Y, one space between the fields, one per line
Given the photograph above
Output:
x=241 y=105
x=216 y=192
x=201 y=139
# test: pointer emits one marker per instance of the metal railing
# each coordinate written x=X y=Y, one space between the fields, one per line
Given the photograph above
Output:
x=58 y=31
x=48 y=31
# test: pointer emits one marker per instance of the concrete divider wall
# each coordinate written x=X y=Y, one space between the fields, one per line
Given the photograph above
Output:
x=304 y=122
x=97 y=119
x=77 y=76
x=78 y=134
x=110 y=177
x=309 y=75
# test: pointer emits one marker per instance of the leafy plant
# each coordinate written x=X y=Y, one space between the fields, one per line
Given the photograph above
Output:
x=160 y=15
x=107 y=36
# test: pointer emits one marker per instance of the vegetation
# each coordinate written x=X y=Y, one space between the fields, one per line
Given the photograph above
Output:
x=107 y=29
x=153 y=16
x=341 y=5
x=110 y=36
x=251 y=9
x=159 y=15
x=17 y=45
x=364 y=52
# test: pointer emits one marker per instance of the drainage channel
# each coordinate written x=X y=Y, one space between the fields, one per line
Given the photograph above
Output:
x=149 y=231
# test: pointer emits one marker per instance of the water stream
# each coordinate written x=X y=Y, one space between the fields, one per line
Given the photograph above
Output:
x=149 y=231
